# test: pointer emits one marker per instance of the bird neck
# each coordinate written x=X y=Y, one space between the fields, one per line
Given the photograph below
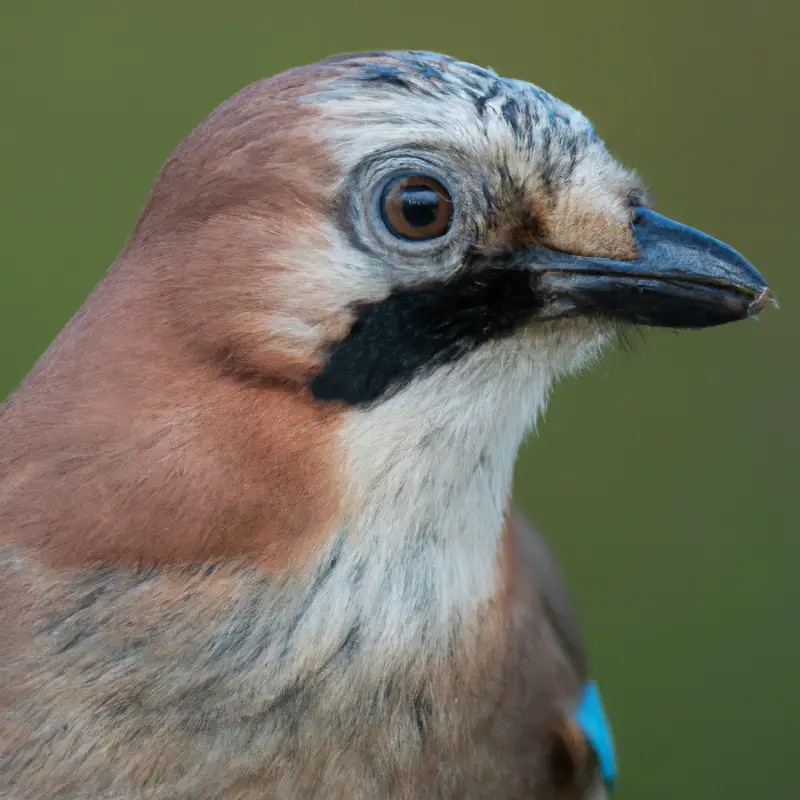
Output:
x=430 y=473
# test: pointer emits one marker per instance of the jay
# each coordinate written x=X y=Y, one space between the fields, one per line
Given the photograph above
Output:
x=255 y=531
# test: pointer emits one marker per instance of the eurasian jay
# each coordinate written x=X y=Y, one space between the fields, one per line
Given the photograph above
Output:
x=254 y=499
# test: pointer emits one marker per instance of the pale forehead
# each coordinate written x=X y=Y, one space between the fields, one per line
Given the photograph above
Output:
x=381 y=101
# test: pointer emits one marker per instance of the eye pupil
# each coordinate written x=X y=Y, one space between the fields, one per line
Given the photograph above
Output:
x=416 y=207
x=420 y=206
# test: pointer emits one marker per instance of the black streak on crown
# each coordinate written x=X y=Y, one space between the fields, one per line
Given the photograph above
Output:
x=386 y=74
x=420 y=327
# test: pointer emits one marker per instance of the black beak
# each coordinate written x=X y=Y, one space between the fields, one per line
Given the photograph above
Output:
x=682 y=278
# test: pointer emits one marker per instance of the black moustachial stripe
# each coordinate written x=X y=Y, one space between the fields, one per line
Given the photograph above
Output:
x=424 y=326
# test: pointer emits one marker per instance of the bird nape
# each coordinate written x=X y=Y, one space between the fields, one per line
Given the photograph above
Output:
x=256 y=531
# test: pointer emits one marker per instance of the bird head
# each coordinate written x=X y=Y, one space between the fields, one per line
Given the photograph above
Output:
x=399 y=216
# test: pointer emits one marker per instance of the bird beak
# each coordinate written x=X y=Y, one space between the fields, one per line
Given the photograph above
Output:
x=681 y=278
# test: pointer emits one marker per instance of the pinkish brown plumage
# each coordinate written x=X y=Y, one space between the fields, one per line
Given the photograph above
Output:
x=256 y=539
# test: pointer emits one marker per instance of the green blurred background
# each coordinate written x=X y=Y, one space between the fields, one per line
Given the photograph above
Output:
x=665 y=479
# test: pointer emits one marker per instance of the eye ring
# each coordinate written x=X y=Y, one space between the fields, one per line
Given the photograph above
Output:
x=416 y=207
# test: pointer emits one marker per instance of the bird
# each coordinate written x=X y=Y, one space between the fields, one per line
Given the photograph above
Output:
x=256 y=530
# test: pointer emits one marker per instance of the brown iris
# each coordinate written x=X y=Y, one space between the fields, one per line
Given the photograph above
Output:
x=416 y=206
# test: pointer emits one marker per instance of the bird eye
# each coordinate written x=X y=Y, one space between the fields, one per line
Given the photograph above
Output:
x=416 y=207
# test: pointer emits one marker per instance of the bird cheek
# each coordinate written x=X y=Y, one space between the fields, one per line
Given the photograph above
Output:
x=301 y=343
x=336 y=325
